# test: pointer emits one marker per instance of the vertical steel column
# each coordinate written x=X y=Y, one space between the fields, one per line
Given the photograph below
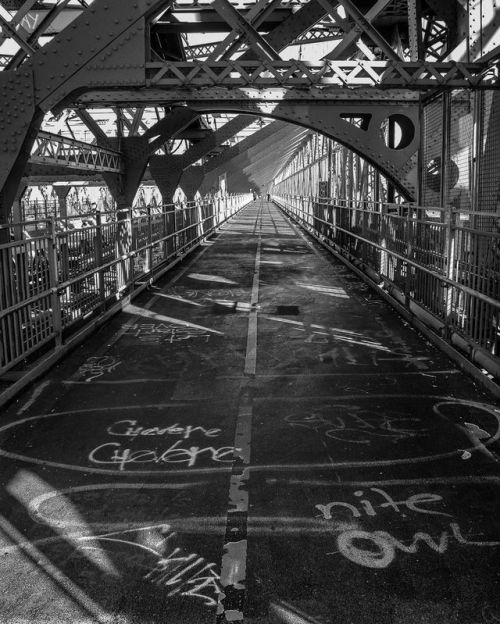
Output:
x=415 y=30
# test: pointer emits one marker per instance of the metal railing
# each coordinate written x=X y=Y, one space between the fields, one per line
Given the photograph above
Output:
x=67 y=272
x=442 y=264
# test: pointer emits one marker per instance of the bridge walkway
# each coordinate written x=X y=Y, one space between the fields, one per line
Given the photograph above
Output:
x=258 y=438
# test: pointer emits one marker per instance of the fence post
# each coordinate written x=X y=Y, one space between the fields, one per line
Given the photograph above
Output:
x=133 y=244
x=99 y=258
x=449 y=216
x=384 y=258
x=409 y=254
x=54 y=283
x=149 y=254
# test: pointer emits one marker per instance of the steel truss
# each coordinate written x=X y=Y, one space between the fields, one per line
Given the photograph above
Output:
x=303 y=74
x=53 y=149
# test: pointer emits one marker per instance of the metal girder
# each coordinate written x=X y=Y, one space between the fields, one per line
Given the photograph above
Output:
x=415 y=29
x=266 y=161
x=268 y=131
x=239 y=24
x=235 y=74
x=167 y=173
x=92 y=125
x=315 y=35
x=201 y=149
x=191 y=180
x=353 y=34
x=333 y=119
x=256 y=162
x=136 y=120
x=364 y=25
x=256 y=15
x=484 y=25
x=137 y=150
x=58 y=150
x=101 y=54
x=17 y=33
x=295 y=26
x=257 y=101
x=37 y=173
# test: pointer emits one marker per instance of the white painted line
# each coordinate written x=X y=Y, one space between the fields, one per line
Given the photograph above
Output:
x=251 y=352
x=234 y=559
x=36 y=393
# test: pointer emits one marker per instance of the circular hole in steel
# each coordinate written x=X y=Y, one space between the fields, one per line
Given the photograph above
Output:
x=398 y=131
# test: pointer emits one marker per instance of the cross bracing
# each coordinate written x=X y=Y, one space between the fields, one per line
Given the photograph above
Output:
x=57 y=150
x=139 y=63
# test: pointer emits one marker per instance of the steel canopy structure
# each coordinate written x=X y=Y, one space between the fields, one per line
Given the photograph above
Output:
x=319 y=64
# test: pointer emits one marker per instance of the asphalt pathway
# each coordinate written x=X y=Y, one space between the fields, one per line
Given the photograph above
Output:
x=258 y=438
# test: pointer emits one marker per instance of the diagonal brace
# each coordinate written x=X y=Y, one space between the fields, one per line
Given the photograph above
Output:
x=259 y=45
x=366 y=26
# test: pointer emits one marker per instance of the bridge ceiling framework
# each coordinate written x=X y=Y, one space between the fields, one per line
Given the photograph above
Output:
x=370 y=69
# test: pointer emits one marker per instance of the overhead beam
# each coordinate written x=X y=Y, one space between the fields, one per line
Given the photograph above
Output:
x=350 y=37
x=363 y=23
x=58 y=150
x=239 y=24
x=324 y=75
x=256 y=16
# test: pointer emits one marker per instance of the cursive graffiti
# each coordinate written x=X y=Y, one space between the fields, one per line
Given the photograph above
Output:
x=208 y=294
x=172 y=568
x=377 y=549
x=129 y=428
x=112 y=454
x=359 y=426
x=96 y=366
x=368 y=506
x=164 y=333
x=186 y=575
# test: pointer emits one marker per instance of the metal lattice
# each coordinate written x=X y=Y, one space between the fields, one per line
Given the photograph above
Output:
x=431 y=150
x=461 y=149
x=489 y=158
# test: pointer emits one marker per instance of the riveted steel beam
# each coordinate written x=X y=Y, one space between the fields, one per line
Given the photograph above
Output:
x=58 y=150
x=92 y=125
x=336 y=121
x=363 y=24
x=201 y=149
x=237 y=100
x=137 y=150
x=239 y=24
x=343 y=47
x=256 y=162
x=248 y=142
x=324 y=75
x=415 y=30
x=256 y=15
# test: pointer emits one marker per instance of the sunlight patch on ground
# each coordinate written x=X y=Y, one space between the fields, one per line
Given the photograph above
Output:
x=331 y=291
x=202 y=277
x=26 y=486
x=351 y=337
x=180 y=299
x=135 y=310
